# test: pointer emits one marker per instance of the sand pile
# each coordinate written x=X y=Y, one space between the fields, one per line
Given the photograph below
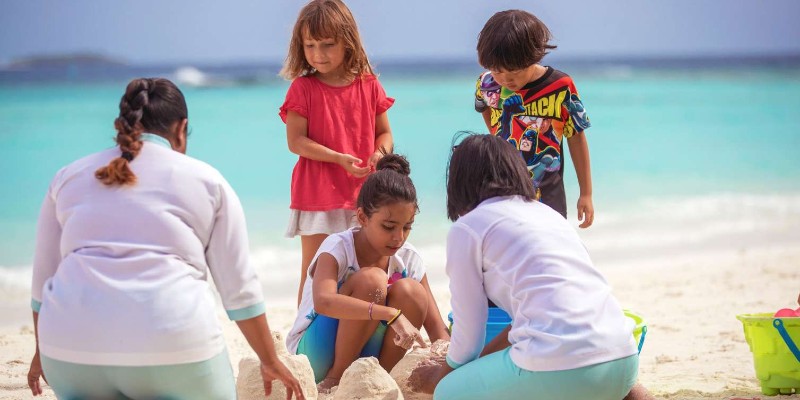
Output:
x=250 y=386
x=365 y=379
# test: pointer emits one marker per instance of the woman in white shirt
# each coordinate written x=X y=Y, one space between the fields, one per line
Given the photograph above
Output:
x=125 y=241
x=568 y=338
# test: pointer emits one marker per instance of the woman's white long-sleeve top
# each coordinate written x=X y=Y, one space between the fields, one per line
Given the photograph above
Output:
x=529 y=261
x=120 y=273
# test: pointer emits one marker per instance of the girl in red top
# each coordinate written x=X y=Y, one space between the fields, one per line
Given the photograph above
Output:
x=335 y=115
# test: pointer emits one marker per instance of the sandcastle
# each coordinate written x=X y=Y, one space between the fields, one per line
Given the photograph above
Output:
x=250 y=386
x=365 y=379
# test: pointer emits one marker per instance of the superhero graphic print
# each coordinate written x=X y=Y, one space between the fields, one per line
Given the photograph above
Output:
x=534 y=119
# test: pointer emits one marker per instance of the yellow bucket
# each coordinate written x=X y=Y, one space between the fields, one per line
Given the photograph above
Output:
x=640 y=330
x=776 y=357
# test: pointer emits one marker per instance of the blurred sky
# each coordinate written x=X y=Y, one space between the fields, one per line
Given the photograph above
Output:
x=206 y=31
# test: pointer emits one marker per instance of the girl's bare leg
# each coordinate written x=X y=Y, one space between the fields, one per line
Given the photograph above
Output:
x=309 y=245
x=368 y=284
x=409 y=296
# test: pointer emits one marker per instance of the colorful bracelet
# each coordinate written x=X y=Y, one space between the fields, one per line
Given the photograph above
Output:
x=370 y=310
x=399 y=312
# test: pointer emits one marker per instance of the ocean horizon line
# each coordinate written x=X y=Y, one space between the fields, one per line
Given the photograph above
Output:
x=87 y=68
x=89 y=58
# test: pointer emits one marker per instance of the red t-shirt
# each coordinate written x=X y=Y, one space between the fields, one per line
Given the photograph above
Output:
x=341 y=119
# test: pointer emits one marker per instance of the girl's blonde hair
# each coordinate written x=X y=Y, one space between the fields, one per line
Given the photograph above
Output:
x=323 y=19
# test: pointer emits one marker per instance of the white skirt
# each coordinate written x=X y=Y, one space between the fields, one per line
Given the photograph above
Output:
x=305 y=223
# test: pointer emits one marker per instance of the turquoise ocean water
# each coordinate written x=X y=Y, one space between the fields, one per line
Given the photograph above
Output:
x=705 y=141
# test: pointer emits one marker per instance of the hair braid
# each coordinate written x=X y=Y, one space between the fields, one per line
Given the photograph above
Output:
x=129 y=127
x=152 y=105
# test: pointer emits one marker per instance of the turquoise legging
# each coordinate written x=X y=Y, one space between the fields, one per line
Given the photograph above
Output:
x=210 y=379
x=496 y=377
x=319 y=341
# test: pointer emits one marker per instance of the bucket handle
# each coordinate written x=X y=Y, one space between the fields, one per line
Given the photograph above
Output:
x=641 y=339
x=778 y=324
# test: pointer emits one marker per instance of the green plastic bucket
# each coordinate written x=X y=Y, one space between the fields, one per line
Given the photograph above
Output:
x=776 y=357
x=640 y=328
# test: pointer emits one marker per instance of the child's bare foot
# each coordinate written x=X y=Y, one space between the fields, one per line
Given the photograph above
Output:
x=327 y=384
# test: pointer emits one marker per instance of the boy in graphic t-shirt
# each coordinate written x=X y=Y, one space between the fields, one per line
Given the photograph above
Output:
x=534 y=107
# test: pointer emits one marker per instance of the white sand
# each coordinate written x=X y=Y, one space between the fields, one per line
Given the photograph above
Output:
x=694 y=348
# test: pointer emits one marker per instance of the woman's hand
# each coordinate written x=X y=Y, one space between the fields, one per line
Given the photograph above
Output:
x=427 y=374
x=405 y=333
x=276 y=370
x=34 y=373
x=350 y=164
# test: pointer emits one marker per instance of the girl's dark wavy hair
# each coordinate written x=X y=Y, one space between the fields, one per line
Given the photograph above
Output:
x=389 y=184
x=482 y=167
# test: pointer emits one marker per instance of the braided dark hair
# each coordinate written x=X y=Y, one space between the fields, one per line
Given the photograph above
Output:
x=148 y=105
x=389 y=184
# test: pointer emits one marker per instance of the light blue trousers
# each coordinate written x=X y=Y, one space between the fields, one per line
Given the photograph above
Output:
x=319 y=341
x=211 y=379
x=497 y=377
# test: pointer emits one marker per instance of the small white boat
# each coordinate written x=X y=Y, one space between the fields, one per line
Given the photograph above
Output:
x=191 y=76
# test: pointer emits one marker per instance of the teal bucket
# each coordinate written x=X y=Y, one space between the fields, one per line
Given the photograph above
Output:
x=497 y=321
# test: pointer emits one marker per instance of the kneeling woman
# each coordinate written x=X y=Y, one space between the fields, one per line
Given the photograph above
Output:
x=569 y=338
x=366 y=279
x=125 y=242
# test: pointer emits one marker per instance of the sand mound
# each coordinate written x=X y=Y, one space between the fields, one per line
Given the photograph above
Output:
x=402 y=370
x=365 y=379
x=249 y=385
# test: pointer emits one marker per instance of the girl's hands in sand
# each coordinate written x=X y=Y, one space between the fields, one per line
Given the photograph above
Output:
x=34 y=373
x=276 y=370
x=326 y=385
x=406 y=334
x=350 y=164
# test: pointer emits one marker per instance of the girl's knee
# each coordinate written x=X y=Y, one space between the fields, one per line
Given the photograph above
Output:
x=408 y=294
x=370 y=276
x=366 y=281
x=408 y=287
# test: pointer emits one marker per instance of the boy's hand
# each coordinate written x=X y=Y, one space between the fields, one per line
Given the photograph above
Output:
x=350 y=164
x=585 y=211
